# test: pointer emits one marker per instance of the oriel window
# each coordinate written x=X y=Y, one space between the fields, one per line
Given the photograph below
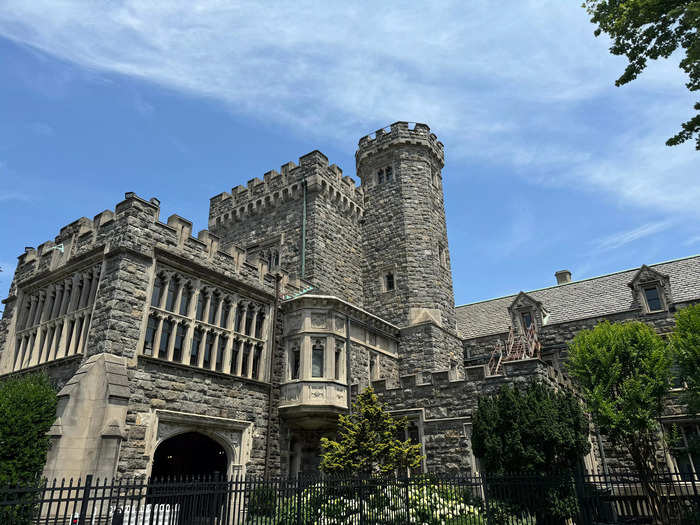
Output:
x=317 y=354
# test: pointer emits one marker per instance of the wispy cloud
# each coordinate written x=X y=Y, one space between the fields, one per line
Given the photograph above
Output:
x=617 y=240
x=692 y=241
x=526 y=86
x=41 y=128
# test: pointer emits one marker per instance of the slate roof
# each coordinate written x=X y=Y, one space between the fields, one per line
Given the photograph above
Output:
x=604 y=295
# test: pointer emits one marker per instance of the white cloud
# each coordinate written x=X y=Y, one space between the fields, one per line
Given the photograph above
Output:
x=616 y=240
x=513 y=85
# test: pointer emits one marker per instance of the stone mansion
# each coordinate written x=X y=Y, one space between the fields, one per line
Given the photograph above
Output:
x=235 y=349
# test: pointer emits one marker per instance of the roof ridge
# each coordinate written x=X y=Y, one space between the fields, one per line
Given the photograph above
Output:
x=579 y=281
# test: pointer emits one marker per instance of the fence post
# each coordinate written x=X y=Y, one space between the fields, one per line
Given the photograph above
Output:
x=484 y=491
x=298 y=481
x=408 y=504
x=583 y=502
x=86 y=499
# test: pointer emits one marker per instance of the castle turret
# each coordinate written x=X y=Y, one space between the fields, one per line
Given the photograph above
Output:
x=407 y=276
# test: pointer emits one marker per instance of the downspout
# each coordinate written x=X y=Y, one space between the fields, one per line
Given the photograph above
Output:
x=348 y=374
x=273 y=348
x=303 y=231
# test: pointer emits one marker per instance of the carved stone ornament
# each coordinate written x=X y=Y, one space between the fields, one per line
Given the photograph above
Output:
x=319 y=320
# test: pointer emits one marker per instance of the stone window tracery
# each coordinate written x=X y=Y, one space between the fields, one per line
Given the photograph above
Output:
x=53 y=321
x=223 y=332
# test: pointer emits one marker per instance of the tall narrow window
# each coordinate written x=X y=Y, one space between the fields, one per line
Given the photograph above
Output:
x=527 y=319
x=388 y=173
x=179 y=343
x=294 y=361
x=201 y=301
x=256 y=361
x=651 y=294
x=150 y=335
x=196 y=343
x=249 y=320
x=380 y=177
x=239 y=317
x=225 y=312
x=220 y=353
x=208 y=345
x=246 y=357
x=69 y=337
x=155 y=296
x=373 y=367
x=389 y=282
x=234 y=359
x=276 y=259
x=185 y=300
x=317 y=354
x=259 y=324
x=172 y=295
x=213 y=307
x=165 y=339
x=338 y=359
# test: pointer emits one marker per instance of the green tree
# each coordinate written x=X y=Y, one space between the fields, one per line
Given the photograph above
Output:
x=652 y=29
x=624 y=371
x=27 y=411
x=533 y=430
x=686 y=345
x=369 y=442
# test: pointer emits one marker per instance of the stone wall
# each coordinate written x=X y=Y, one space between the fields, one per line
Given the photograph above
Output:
x=444 y=408
x=270 y=212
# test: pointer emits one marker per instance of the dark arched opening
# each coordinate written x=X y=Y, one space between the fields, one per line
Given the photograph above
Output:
x=189 y=454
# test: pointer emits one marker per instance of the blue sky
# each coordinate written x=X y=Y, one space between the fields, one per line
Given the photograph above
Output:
x=549 y=166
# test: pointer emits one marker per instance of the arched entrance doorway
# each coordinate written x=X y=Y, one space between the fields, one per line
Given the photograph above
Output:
x=189 y=454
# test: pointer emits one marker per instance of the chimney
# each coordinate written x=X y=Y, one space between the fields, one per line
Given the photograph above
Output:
x=563 y=276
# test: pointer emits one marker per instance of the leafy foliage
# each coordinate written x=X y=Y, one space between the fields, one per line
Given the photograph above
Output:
x=652 y=29
x=27 y=411
x=530 y=430
x=686 y=344
x=624 y=372
x=368 y=441
x=533 y=430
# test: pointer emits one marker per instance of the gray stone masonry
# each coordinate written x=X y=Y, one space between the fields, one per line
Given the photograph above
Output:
x=270 y=213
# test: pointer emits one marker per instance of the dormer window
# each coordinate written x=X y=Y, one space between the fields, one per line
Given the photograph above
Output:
x=653 y=298
x=526 y=319
x=652 y=290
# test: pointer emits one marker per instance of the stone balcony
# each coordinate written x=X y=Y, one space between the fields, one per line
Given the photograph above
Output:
x=313 y=403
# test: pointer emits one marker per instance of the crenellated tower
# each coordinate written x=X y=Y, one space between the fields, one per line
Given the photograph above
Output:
x=406 y=269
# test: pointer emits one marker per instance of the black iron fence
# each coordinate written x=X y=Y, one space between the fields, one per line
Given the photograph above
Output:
x=562 y=499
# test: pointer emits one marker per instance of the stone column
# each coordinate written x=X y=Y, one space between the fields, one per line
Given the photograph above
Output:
x=239 y=359
x=61 y=350
x=65 y=301
x=32 y=310
x=83 y=334
x=58 y=299
x=173 y=337
x=214 y=351
x=207 y=305
x=85 y=291
x=156 y=339
x=93 y=284
x=167 y=278
x=178 y=296
x=74 y=295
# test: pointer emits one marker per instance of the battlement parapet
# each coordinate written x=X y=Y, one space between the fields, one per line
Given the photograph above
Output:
x=400 y=134
x=524 y=369
x=134 y=224
x=275 y=188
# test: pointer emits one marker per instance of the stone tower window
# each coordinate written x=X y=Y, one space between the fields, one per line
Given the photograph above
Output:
x=389 y=282
x=380 y=177
x=388 y=173
x=294 y=360
x=200 y=305
x=179 y=343
x=196 y=342
x=150 y=335
x=172 y=294
x=157 y=291
x=339 y=345
x=185 y=300
x=317 y=354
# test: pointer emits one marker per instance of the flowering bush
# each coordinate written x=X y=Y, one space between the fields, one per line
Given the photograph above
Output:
x=390 y=504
